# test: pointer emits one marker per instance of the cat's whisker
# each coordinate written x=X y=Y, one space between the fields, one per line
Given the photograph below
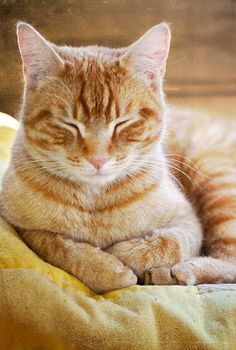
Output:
x=193 y=181
x=194 y=168
x=196 y=171
x=178 y=183
x=152 y=160
x=180 y=156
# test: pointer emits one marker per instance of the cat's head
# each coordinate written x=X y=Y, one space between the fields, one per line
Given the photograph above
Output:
x=93 y=114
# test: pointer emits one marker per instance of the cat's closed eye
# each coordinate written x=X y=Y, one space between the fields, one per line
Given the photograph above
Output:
x=119 y=126
x=78 y=127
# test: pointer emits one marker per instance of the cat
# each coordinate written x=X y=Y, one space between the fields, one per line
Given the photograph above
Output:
x=108 y=182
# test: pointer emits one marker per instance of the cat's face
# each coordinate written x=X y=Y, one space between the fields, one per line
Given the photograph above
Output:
x=92 y=114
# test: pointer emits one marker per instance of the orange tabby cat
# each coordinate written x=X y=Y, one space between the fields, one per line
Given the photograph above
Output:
x=93 y=182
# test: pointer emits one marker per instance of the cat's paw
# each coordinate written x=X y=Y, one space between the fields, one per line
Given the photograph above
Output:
x=185 y=273
x=143 y=254
x=159 y=276
x=104 y=272
x=116 y=275
x=182 y=273
x=132 y=253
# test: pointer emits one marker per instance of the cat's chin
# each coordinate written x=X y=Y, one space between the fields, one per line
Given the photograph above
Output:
x=96 y=180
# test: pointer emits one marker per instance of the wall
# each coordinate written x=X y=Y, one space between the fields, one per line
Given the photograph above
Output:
x=202 y=61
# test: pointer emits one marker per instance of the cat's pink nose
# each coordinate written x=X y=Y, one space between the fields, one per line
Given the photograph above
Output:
x=98 y=162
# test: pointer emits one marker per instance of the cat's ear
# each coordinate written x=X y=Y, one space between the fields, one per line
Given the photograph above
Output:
x=148 y=55
x=38 y=57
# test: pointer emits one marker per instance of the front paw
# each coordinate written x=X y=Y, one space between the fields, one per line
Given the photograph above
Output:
x=184 y=273
x=103 y=272
x=132 y=254
x=161 y=275
x=143 y=254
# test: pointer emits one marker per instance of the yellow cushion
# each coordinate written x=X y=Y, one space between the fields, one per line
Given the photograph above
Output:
x=43 y=307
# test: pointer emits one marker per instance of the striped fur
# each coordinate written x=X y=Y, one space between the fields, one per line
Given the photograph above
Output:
x=166 y=193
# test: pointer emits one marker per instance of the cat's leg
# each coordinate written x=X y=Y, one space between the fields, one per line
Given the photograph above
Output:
x=177 y=242
x=195 y=271
x=99 y=270
x=204 y=270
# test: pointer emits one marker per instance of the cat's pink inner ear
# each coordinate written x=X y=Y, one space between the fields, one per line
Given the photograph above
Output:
x=38 y=57
x=148 y=55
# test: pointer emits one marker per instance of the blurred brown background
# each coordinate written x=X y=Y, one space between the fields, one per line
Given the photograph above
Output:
x=202 y=64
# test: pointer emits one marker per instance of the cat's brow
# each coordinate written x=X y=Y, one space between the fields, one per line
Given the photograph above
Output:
x=83 y=101
x=147 y=112
x=112 y=101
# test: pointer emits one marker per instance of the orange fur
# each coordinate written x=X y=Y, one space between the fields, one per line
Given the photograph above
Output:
x=130 y=218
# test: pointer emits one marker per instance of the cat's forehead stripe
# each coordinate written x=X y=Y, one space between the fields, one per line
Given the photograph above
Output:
x=96 y=100
x=83 y=102
x=128 y=107
x=109 y=103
